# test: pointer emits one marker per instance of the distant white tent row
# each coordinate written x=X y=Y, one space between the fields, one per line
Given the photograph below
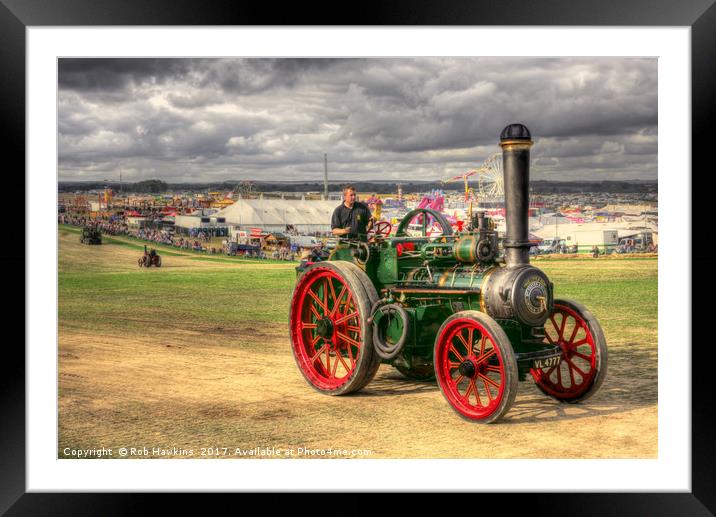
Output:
x=548 y=219
x=565 y=230
x=630 y=209
x=273 y=215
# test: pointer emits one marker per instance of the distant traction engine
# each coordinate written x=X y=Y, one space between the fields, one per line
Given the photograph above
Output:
x=450 y=307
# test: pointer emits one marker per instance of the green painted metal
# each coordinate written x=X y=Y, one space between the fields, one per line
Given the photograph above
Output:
x=432 y=278
x=465 y=249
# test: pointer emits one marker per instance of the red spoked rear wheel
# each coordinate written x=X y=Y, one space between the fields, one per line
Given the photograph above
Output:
x=330 y=337
x=475 y=366
x=584 y=354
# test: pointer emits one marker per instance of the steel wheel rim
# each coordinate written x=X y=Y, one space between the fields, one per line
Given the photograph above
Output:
x=578 y=368
x=477 y=397
x=328 y=361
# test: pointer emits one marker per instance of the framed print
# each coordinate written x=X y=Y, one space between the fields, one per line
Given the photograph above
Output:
x=68 y=71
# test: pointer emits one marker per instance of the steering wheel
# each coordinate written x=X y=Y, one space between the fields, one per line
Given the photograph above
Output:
x=380 y=230
x=429 y=217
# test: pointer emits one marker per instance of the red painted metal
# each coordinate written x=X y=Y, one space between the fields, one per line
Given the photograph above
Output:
x=467 y=340
x=573 y=377
x=328 y=363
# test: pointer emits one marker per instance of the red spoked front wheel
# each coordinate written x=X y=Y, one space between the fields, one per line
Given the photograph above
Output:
x=475 y=366
x=583 y=365
x=330 y=337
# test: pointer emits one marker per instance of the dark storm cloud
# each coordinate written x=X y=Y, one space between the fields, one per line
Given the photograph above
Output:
x=108 y=74
x=187 y=120
x=246 y=76
x=459 y=106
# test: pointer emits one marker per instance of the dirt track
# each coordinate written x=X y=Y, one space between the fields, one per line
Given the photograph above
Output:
x=191 y=388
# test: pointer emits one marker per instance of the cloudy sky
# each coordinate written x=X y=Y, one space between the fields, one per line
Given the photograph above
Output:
x=198 y=120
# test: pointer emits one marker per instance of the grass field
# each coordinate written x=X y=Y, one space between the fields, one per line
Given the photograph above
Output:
x=95 y=295
x=222 y=324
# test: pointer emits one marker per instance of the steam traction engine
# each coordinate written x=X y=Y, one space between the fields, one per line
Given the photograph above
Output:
x=451 y=307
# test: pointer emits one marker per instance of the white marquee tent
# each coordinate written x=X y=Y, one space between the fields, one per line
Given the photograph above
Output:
x=273 y=215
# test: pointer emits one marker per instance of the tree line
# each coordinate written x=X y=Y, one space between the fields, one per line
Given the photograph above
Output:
x=156 y=186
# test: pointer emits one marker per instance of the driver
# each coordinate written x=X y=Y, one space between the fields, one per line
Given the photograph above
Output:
x=351 y=219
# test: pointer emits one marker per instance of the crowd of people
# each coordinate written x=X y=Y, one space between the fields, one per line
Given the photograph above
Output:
x=283 y=253
x=108 y=225
x=555 y=248
x=275 y=253
x=629 y=246
x=196 y=240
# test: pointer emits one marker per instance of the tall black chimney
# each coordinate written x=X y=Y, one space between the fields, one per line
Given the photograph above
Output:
x=516 y=142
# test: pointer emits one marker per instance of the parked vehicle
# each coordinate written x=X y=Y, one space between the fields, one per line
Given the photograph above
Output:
x=637 y=243
x=552 y=245
x=604 y=239
x=234 y=248
x=304 y=241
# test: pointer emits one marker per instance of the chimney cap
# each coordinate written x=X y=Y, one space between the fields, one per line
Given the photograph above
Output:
x=515 y=132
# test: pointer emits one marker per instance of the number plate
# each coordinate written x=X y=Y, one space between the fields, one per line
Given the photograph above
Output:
x=546 y=363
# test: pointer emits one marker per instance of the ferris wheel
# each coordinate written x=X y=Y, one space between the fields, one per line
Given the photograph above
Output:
x=490 y=180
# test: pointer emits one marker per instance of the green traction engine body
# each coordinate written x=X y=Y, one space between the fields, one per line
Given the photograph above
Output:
x=466 y=309
x=431 y=278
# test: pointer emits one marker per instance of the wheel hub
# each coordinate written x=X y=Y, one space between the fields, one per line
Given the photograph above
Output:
x=467 y=369
x=324 y=327
x=567 y=350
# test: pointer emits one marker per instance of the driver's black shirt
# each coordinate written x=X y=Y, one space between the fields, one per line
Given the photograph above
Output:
x=356 y=218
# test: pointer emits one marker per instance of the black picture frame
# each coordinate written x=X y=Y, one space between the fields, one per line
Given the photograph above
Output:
x=700 y=15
